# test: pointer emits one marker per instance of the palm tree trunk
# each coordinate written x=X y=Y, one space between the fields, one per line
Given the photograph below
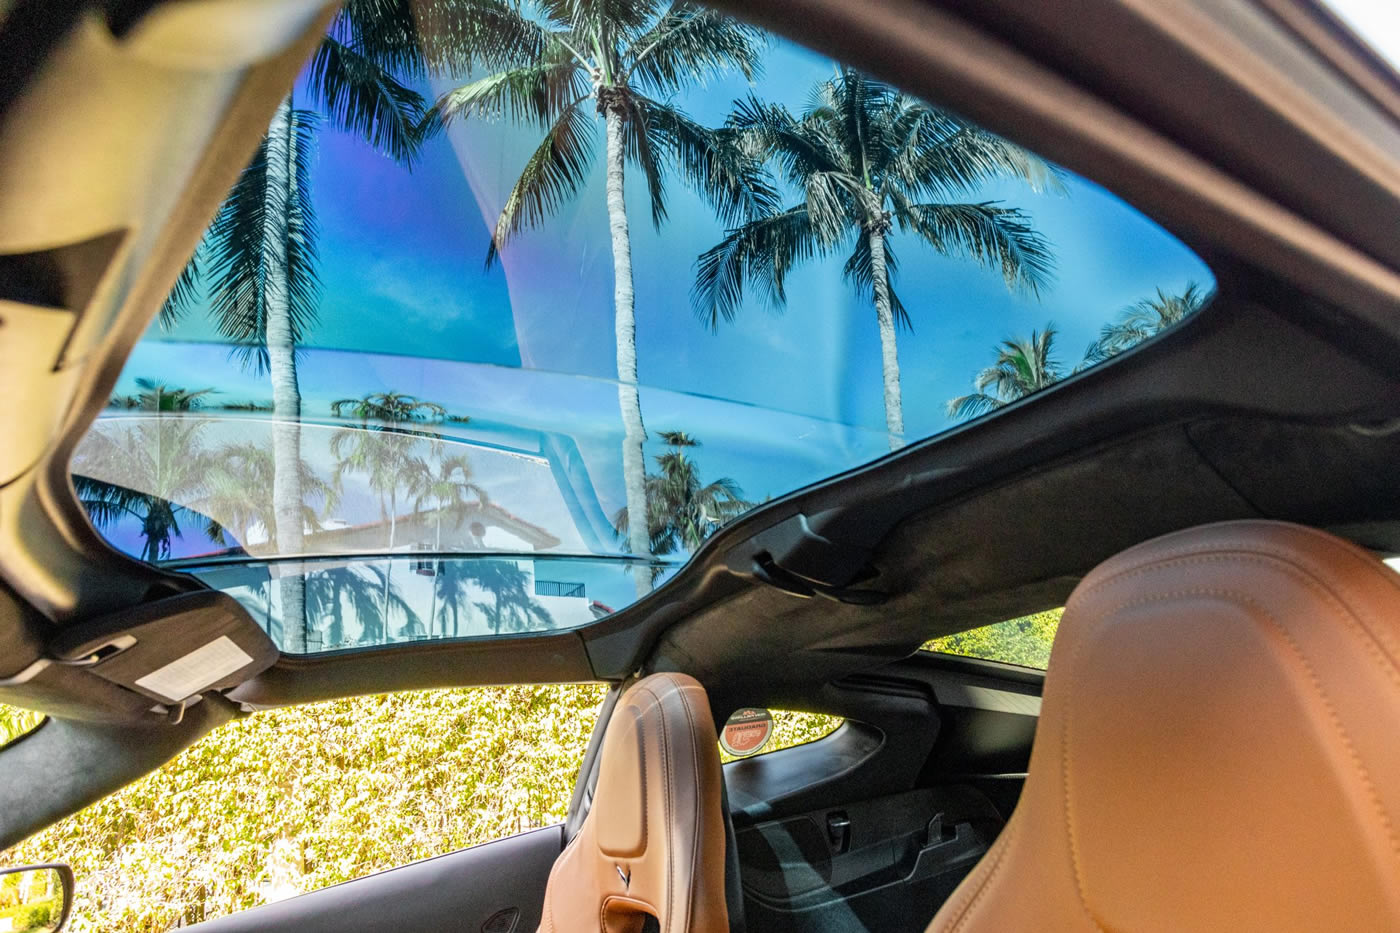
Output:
x=889 y=352
x=436 y=565
x=286 y=394
x=625 y=322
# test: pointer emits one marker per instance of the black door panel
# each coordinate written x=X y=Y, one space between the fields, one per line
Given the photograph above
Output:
x=497 y=887
x=883 y=864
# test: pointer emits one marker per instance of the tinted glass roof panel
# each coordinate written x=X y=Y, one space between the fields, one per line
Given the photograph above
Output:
x=410 y=329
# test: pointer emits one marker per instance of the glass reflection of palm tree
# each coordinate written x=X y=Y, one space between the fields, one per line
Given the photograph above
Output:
x=682 y=509
x=385 y=446
x=623 y=62
x=154 y=465
x=330 y=591
x=384 y=449
x=866 y=159
x=1023 y=365
x=512 y=606
x=444 y=484
x=239 y=494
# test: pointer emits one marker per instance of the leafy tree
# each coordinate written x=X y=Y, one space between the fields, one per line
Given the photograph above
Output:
x=864 y=159
x=15 y=722
x=1144 y=319
x=682 y=510
x=1024 y=365
x=623 y=60
x=1025 y=641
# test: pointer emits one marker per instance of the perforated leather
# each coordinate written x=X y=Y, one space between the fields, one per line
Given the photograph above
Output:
x=653 y=842
x=1218 y=749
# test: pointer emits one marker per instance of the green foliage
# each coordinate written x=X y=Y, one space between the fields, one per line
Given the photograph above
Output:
x=16 y=722
x=292 y=800
x=794 y=728
x=1025 y=641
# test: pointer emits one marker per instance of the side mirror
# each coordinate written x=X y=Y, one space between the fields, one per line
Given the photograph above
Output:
x=35 y=898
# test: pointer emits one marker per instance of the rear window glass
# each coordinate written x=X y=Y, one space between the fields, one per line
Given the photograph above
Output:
x=590 y=294
x=1025 y=641
x=790 y=729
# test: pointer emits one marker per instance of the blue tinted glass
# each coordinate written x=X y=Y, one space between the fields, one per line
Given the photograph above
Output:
x=451 y=327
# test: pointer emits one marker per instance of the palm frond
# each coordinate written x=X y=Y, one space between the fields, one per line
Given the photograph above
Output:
x=539 y=92
x=1143 y=319
x=760 y=252
x=554 y=173
x=362 y=97
x=716 y=164
x=412 y=38
x=615 y=21
x=859 y=271
x=1023 y=366
x=946 y=157
x=644 y=149
x=183 y=293
x=999 y=238
x=248 y=240
x=689 y=41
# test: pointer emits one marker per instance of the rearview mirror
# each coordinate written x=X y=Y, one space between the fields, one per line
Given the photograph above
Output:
x=35 y=898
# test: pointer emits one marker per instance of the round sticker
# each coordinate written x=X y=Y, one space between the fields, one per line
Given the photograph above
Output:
x=746 y=732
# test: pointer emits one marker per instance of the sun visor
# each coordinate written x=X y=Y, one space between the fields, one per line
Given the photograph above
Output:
x=170 y=650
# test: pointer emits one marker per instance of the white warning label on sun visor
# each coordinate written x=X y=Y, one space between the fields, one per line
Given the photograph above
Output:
x=184 y=677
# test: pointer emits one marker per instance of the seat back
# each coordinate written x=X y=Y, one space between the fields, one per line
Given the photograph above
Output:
x=650 y=855
x=1218 y=748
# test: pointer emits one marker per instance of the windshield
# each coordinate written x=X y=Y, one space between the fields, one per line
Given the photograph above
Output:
x=590 y=287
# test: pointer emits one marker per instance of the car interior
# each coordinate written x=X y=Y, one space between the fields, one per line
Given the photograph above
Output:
x=1212 y=746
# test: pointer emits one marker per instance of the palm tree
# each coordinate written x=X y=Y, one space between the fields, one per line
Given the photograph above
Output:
x=259 y=255
x=328 y=591
x=444 y=485
x=1144 y=319
x=512 y=606
x=239 y=498
x=623 y=60
x=384 y=447
x=1023 y=366
x=157 y=396
x=152 y=467
x=865 y=158
x=394 y=408
x=682 y=510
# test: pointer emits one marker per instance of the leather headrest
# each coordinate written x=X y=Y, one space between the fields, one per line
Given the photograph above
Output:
x=653 y=842
x=1219 y=746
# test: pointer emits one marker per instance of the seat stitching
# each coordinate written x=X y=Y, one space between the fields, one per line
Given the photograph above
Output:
x=964 y=911
x=666 y=776
x=699 y=814
x=1332 y=715
x=1378 y=649
x=1065 y=780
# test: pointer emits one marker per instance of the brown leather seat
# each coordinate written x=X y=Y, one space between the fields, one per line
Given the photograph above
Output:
x=1218 y=749
x=653 y=841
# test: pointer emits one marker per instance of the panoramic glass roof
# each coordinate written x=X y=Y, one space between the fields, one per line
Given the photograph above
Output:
x=492 y=285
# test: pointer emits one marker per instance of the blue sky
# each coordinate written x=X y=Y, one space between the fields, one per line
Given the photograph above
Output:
x=779 y=398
